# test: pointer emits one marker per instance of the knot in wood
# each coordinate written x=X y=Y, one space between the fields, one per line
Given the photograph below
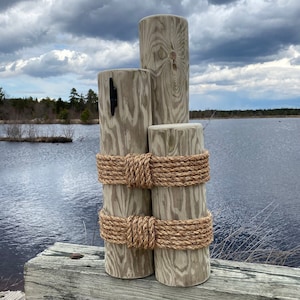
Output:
x=140 y=232
x=138 y=170
x=173 y=55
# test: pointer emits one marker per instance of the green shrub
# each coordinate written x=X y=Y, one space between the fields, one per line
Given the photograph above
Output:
x=85 y=115
x=64 y=115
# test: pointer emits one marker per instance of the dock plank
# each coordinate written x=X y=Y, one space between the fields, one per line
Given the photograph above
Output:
x=53 y=275
x=12 y=295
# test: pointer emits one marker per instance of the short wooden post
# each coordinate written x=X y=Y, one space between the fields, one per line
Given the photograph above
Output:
x=179 y=267
x=164 y=50
x=122 y=133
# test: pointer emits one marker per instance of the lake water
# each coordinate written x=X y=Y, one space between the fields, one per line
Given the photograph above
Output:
x=50 y=192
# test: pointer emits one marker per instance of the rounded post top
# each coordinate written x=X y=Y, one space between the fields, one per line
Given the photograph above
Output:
x=180 y=126
x=125 y=70
x=162 y=16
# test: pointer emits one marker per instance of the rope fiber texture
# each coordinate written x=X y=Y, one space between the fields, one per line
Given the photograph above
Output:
x=147 y=170
x=149 y=232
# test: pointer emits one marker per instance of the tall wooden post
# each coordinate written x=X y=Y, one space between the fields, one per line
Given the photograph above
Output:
x=179 y=267
x=164 y=50
x=121 y=133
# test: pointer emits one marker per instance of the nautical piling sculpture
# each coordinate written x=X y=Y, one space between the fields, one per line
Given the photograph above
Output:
x=170 y=160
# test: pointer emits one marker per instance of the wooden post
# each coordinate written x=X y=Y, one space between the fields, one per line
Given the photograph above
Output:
x=164 y=50
x=122 y=133
x=179 y=267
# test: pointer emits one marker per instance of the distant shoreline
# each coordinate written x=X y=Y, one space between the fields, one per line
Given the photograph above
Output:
x=96 y=121
x=248 y=113
x=249 y=117
x=52 y=139
x=49 y=122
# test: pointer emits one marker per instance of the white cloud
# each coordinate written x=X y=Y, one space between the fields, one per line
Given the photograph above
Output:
x=23 y=25
x=244 y=31
x=277 y=79
x=244 y=47
x=92 y=55
x=108 y=54
x=51 y=63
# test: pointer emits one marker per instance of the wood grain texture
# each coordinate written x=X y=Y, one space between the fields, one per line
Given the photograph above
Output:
x=123 y=133
x=164 y=49
x=12 y=295
x=53 y=275
x=179 y=267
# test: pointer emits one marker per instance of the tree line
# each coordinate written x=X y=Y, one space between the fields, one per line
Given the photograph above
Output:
x=47 y=110
x=249 y=113
x=85 y=108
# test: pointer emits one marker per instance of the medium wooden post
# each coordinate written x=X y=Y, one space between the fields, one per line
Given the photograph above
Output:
x=179 y=267
x=122 y=133
x=164 y=50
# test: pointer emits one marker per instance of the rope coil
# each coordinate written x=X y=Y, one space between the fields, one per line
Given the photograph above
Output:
x=147 y=170
x=149 y=233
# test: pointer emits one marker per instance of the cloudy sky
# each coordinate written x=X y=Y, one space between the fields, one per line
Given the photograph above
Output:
x=244 y=54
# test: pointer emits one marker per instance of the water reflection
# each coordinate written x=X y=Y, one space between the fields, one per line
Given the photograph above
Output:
x=50 y=192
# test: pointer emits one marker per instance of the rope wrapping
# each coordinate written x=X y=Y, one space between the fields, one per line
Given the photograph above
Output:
x=147 y=170
x=149 y=233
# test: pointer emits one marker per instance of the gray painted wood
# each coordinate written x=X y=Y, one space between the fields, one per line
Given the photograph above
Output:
x=179 y=267
x=53 y=275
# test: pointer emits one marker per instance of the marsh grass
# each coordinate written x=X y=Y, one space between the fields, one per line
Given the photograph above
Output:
x=30 y=133
x=11 y=284
x=252 y=243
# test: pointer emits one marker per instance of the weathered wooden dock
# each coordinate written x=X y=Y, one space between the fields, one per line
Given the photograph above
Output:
x=12 y=295
x=53 y=274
